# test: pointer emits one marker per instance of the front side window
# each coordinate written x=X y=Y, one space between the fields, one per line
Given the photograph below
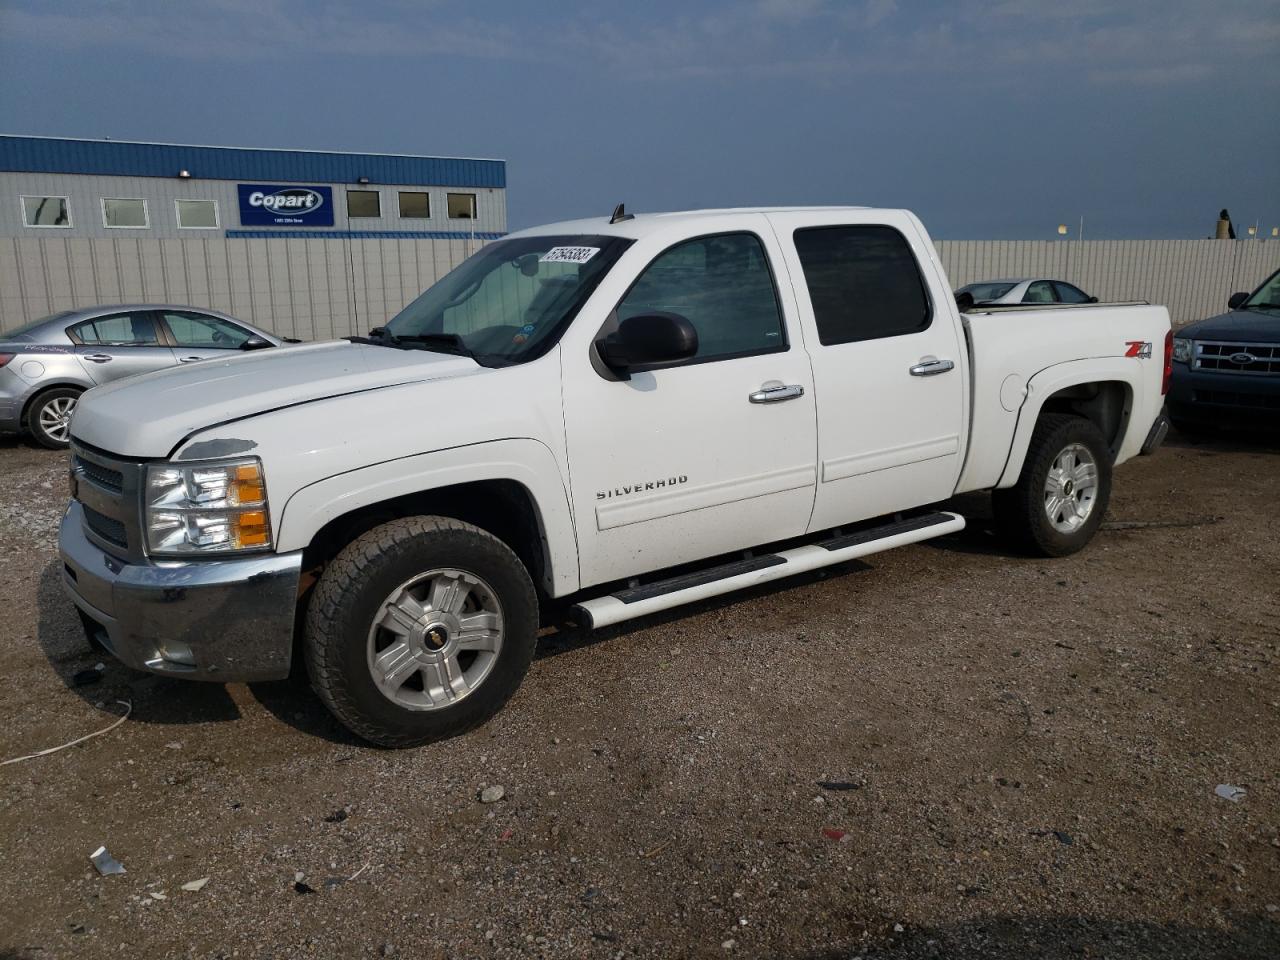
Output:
x=118 y=329
x=124 y=212
x=462 y=206
x=723 y=286
x=364 y=203
x=202 y=330
x=45 y=212
x=415 y=205
x=197 y=214
x=1069 y=294
x=510 y=302
x=863 y=282
x=1039 y=292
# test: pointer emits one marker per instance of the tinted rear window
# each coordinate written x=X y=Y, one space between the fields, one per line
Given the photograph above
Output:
x=863 y=281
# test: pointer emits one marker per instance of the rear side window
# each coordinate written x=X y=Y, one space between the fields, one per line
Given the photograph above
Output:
x=128 y=329
x=863 y=281
x=723 y=286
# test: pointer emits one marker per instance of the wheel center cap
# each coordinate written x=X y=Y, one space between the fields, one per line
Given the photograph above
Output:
x=435 y=636
x=1068 y=487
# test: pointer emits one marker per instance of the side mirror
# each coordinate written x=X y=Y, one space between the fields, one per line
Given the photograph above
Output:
x=256 y=343
x=646 y=339
x=1237 y=300
x=964 y=301
x=1092 y=300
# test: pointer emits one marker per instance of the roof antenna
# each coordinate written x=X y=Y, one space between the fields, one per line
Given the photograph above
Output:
x=620 y=214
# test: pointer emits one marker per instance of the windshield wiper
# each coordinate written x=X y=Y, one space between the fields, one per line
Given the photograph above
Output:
x=451 y=342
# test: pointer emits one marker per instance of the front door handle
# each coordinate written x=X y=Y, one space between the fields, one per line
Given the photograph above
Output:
x=98 y=357
x=776 y=392
x=189 y=359
x=931 y=367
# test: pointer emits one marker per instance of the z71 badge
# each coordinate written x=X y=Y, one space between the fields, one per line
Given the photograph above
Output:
x=1138 y=348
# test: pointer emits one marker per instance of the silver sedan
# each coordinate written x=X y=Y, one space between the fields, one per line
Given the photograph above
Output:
x=46 y=365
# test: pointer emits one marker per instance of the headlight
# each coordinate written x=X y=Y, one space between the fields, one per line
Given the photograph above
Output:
x=207 y=507
x=1183 y=350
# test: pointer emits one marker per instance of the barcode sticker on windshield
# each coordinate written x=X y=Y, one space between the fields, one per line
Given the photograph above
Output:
x=568 y=255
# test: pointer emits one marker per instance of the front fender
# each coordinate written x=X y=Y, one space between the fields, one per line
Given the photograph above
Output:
x=1070 y=374
x=525 y=461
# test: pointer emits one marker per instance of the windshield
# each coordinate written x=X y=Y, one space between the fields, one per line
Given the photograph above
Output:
x=1267 y=296
x=986 y=291
x=510 y=302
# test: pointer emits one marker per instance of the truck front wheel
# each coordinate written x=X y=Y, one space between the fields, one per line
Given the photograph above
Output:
x=419 y=630
x=1060 y=498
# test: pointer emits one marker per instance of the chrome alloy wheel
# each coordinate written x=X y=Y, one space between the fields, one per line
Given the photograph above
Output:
x=435 y=639
x=55 y=417
x=1071 y=488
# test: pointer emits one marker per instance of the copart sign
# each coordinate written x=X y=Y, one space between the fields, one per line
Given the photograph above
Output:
x=289 y=205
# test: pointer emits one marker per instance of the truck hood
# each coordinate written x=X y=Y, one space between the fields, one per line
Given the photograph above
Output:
x=148 y=416
x=1238 y=326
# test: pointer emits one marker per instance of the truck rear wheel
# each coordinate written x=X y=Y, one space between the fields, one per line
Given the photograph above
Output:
x=1061 y=496
x=419 y=630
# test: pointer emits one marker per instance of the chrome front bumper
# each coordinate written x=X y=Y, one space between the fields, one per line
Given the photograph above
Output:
x=223 y=620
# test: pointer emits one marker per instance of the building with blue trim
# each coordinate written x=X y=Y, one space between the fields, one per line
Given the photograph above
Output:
x=52 y=187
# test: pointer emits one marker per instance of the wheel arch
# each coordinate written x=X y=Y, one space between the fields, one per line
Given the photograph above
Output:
x=518 y=501
x=1101 y=391
x=44 y=388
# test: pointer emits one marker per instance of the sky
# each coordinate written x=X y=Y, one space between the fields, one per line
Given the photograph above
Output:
x=991 y=120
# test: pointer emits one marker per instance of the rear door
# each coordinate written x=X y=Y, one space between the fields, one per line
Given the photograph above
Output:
x=705 y=457
x=201 y=336
x=117 y=345
x=888 y=362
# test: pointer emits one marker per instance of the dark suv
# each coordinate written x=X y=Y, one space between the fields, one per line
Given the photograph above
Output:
x=1226 y=369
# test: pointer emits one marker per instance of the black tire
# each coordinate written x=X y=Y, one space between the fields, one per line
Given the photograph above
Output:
x=352 y=591
x=37 y=424
x=1019 y=511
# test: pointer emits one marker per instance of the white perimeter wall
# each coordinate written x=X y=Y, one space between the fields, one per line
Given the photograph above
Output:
x=318 y=289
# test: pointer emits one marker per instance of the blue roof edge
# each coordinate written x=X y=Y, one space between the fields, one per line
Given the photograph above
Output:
x=123 y=158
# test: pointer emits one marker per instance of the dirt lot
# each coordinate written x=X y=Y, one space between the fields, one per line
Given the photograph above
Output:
x=1028 y=751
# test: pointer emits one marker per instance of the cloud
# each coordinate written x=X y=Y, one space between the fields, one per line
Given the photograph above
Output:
x=1151 y=42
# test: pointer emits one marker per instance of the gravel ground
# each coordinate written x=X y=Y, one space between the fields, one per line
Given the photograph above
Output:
x=941 y=752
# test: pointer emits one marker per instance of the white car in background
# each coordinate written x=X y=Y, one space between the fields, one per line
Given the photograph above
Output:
x=1032 y=290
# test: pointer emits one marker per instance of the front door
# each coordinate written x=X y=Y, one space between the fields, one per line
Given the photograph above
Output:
x=708 y=456
x=120 y=345
x=888 y=362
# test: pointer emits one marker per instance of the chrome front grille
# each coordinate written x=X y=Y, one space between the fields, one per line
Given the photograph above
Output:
x=1248 y=358
x=110 y=480
x=106 y=527
x=109 y=489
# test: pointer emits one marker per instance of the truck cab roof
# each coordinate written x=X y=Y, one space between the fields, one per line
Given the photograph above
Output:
x=640 y=224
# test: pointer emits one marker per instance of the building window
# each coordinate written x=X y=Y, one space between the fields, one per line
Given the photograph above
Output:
x=363 y=203
x=415 y=206
x=197 y=214
x=46 y=212
x=128 y=213
x=462 y=206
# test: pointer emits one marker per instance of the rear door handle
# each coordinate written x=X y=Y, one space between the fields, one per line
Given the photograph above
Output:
x=189 y=359
x=98 y=357
x=776 y=392
x=931 y=367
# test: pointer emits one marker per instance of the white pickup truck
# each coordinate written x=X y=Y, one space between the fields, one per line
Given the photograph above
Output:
x=608 y=417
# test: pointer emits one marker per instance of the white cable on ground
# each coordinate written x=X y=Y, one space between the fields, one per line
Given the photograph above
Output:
x=128 y=709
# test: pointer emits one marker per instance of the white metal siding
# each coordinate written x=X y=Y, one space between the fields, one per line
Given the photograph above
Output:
x=323 y=288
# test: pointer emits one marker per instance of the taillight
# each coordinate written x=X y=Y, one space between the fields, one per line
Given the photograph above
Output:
x=1168 y=362
x=5 y=358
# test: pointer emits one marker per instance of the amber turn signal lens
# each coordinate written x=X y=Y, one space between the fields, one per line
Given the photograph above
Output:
x=252 y=529
x=248 y=484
